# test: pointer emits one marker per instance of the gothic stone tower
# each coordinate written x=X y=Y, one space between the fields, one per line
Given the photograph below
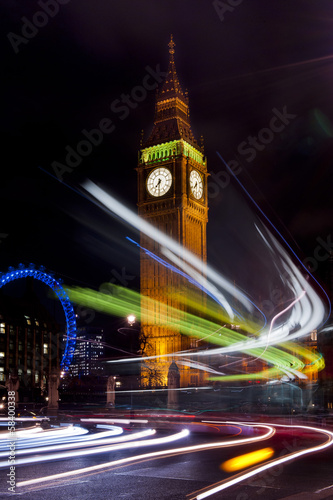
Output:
x=172 y=196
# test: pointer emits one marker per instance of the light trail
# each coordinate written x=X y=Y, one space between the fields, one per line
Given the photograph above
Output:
x=195 y=326
x=278 y=232
x=243 y=461
x=193 y=277
x=84 y=452
x=269 y=428
x=310 y=315
x=79 y=444
x=158 y=454
x=145 y=227
x=306 y=309
x=38 y=436
x=273 y=463
x=161 y=390
x=160 y=441
x=282 y=312
x=27 y=419
x=124 y=421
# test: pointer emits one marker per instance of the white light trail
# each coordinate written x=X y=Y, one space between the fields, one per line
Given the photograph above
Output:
x=269 y=432
x=160 y=441
x=145 y=227
x=273 y=463
x=80 y=442
x=38 y=436
x=26 y=419
x=305 y=310
x=84 y=452
x=124 y=421
x=160 y=390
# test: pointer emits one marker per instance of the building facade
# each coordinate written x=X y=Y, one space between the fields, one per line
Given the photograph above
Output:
x=88 y=352
x=172 y=196
x=30 y=343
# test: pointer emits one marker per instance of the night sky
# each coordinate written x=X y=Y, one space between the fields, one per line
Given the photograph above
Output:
x=243 y=67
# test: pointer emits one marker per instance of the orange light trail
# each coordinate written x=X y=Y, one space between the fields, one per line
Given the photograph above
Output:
x=243 y=461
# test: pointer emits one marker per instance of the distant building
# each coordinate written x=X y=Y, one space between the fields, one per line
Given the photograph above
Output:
x=30 y=342
x=88 y=352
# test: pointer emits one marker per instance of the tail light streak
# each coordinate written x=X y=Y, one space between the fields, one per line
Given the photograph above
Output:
x=273 y=463
x=269 y=431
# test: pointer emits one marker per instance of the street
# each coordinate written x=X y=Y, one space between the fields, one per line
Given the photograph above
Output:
x=189 y=466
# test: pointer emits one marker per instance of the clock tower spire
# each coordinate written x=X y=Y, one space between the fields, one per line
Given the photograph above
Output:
x=172 y=196
x=172 y=114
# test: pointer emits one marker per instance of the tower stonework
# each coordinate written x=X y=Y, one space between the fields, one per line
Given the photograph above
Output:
x=172 y=196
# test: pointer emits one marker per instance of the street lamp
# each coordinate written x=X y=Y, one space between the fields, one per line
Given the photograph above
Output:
x=131 y=319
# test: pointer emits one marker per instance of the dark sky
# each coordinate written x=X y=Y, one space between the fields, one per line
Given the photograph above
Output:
x=261 y=60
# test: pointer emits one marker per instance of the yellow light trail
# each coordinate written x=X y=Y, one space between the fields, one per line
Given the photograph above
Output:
x=121 y=300
x=222 y=485
x=247 y=459
x=164 y=453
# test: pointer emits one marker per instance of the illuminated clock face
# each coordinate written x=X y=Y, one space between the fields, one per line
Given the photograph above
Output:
x=159 y=181
x=196 y=184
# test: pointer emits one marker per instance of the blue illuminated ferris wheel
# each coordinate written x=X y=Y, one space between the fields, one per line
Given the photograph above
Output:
x=41 y=275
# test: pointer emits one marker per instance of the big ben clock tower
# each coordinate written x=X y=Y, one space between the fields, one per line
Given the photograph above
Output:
x=172 y=196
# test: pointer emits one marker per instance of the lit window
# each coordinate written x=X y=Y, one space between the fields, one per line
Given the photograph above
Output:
x=2 y=328
x=45 y=349
x=2 y=354
x=37 y=322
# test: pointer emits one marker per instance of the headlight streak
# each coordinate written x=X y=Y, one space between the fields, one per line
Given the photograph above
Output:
x=80 y=442
x=295 y=372
x=281 y=313
x=32 y=437
x=273 y=463
x=199 y=366
x=270 y=431
x=312 y=321
x=272 y=225
x=124 y=421
x=145 y=227
x=202 y=282
x=157 y=441
x=129 y=391
x=121 y=444
x=22 y=433
x=308 y=312
x=27 y=419
x=196 y=278
x=84 y=452
x=196 y=326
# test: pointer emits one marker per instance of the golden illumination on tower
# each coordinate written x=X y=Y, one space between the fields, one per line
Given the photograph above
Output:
x=172 y=195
